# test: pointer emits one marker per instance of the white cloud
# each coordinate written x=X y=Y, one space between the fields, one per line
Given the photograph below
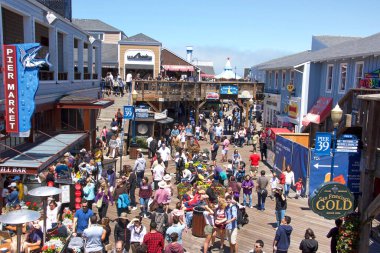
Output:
x=239 y=58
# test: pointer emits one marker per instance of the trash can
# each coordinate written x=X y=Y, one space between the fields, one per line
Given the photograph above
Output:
x=133 y=151
x=199 y=222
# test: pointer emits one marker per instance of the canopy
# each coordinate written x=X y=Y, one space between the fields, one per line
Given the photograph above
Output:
x=39 y=156
x=228 y=73
x=274 y=131
x=179 y=68
x=318 y=112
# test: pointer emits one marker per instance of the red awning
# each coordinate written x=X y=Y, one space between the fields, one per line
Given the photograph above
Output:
x=180 y=68
x=207 y=75
x=318 y=112
x=274 y=131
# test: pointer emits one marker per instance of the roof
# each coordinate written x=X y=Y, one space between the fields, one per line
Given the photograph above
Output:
x=140 y=39
x=209 y=70
x=329 y=40
x=285 y=62
x=355 y=48
x=170 y=58
x=95 y=25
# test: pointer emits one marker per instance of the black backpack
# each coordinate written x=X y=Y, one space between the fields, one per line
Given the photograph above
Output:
x=242 y=216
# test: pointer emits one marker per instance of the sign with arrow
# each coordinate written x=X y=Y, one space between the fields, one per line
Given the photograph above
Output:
x=317 y=165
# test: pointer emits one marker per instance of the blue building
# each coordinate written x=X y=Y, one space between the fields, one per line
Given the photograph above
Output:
x=301 y=88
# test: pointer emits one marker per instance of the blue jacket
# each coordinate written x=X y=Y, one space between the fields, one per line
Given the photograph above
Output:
x=283 y=237
x=123 y=201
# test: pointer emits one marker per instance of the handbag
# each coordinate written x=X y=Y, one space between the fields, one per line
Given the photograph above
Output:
x=153 y=206
x=99 y=203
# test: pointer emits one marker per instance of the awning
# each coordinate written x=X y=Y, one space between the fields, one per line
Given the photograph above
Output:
x=41 y=155
x=139 y=66
x=74 y=102
x=318 y=112
x=168 y=120
x=207 y=75
x=274 y=131
x=179 y=68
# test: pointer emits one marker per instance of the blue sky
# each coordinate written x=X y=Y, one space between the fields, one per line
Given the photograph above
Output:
x=247 y=31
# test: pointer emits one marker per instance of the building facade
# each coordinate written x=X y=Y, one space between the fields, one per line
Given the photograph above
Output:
x=29 y=21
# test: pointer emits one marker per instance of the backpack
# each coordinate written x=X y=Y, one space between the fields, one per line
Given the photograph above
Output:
x=160 y=221
x=242 y=216
x=123 y=201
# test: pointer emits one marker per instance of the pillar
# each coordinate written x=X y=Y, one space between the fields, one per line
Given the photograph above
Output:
x=98 y=59
x=53 y=51
x=68 y=42
x=29 y=31
x=89 y=59
x=80 y=58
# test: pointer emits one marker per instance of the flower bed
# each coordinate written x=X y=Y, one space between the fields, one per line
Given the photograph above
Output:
x=349 y=234
x=55 y=244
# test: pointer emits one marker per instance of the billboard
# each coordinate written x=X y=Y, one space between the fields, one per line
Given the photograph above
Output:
x=20 y=85
x=229 y=91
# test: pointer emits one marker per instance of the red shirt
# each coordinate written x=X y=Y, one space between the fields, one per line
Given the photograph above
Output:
x=254 y=158
x=154 y=242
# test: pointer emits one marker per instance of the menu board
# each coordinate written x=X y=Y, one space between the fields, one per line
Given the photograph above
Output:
x=65 y=195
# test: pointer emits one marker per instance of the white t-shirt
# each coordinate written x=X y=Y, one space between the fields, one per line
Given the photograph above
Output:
x=149 y=140
x=129 y=78
x=197 y=129
x=158 y=172
x=274 y=182
x=218 y=130
x=165 y=153
x=209 y=218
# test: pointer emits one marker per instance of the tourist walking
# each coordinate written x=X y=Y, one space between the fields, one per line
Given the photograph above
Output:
x=121 y=231
x=138 y=231
x=231 y=224
x=174 y=246
x=289 y=180
x=220 y=221
x=281 y=240
x=165 y=154
x=309 y=244
x=281 y=204
x=154 y=240
x=103 y=199
x=334 y=235
x=262 y=192
x=139 y=168
x=247 y=186
x=120 y=195
x=132 y=183
x=145 y=193
x=81 y=219
x=177 y=227
x=254 y=158
x=209 y=228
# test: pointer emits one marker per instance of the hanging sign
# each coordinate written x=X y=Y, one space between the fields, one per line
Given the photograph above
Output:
x=332 y=201
x=20 y=85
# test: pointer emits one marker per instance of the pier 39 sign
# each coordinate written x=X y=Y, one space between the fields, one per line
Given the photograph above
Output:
x=332 y=201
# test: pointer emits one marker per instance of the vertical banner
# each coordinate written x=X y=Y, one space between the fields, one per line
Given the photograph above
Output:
x=20 y=85
x=283 y=153
x=299 y=162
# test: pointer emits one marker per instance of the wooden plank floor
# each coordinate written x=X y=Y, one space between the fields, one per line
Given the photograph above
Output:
x=260 y=225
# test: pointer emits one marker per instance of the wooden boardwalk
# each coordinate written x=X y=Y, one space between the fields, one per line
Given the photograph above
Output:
x=261 y=222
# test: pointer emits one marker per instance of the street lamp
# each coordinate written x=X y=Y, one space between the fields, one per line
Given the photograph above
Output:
x=247 y=119
x=134 y=98
x=336 y=117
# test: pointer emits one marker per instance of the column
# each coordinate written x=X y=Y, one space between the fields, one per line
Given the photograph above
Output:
x=89 y=60
x=69 y=56
x=53 y=50
x=80 y=58
x=98 y=61
x=29 y=31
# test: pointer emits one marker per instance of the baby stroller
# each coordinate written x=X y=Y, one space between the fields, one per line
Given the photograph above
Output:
x=76 y=245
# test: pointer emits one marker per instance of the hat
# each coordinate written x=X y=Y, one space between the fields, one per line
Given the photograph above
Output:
x=161 y=184
x=167 y=177
x=68 y=154
x=13 y=184
x=16 y=178
x=123 y=215
x=139 y=150
x=83 y=150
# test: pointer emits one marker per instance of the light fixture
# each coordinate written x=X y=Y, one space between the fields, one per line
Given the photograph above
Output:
x=92 y=39
x=336 y=115
x=134 y=95
x=50 y=17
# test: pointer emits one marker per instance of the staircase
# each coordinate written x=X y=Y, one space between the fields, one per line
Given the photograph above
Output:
x=106 y=115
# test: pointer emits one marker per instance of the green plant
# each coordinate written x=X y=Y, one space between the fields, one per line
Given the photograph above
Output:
x=141 y=142
x=349 y=234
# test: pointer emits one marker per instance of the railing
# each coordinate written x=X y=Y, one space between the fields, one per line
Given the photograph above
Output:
x=62 y=76
x=86 y=76
x=44 y=75
x=185 y=90
x=77 y=76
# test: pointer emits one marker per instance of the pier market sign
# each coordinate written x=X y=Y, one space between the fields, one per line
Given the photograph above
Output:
x=20 y=85
x=139 y=57
x=332 y=201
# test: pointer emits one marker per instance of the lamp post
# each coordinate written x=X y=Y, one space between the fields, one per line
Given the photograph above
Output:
x=249 y=104
x=336 y=117
x=134 y=98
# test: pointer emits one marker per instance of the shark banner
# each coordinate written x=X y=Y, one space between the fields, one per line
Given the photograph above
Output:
x=20 y=85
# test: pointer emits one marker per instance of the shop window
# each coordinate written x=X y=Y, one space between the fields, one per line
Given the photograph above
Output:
x=329 y=77
x=13 y=27
x=283 y=79
x=343 y=77
x=270 y=79
x=292 y=73
x=72 y=119
x=359 y=73
x=62 y=73
x=42 y=37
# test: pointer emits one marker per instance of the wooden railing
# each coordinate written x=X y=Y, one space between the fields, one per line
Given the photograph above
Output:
x=44 y=75
x=187 y=91
x=62 y=76
x=77 y=76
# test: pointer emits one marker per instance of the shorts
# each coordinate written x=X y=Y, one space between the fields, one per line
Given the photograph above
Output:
x=208 y=230
x=224 y=152
x=254 y=168
x=232 y=235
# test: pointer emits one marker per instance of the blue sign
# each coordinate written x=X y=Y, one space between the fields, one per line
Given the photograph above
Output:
x=346 y=170
x=322 y=144
x=229 y=90
x=128 y=112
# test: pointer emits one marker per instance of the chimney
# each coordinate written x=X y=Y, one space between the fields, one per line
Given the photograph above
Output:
x=189 y=53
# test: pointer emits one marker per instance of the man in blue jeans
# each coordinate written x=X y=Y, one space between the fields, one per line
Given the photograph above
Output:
x=281 y=241
x=262 y=192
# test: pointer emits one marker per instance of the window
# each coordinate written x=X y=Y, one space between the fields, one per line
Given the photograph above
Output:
x=359 y=73
x=283 y=79
x=343 y=77
x=329 y=77
x=270 y=79
x=276 y=80
x=292 y=76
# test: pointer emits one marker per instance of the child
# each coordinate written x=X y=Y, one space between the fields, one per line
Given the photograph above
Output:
x=273 y=184
x=299 y=188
